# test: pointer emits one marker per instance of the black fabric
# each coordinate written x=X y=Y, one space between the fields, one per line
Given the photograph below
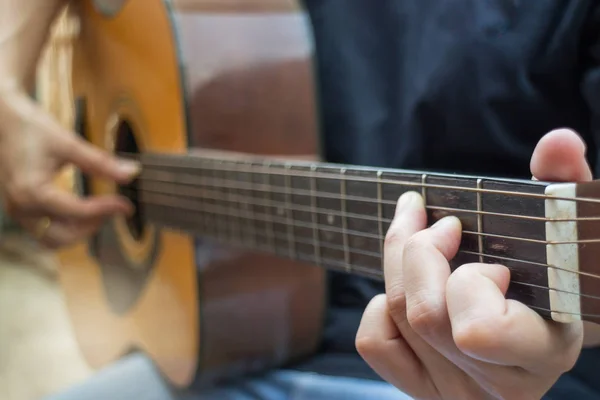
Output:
x=465 y=86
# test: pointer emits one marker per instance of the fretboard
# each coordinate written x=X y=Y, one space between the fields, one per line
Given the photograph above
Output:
x=337 y=216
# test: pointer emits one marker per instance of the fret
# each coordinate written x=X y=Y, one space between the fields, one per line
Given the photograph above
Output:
x=313 y=205
x=498 y=225
x=479 y=220
x=244 y=191
x=380 y=215
x=424 y=188
x=344 y=219
x=288 y=211
x=268 y=215
x=275 y=207
x=391 y=192
x=220 y=234
x=301 y=211
x=204 y=225
x=232 y=220
x=239 y=211
x=526 y=254
x=329 y=210
x=363 y=217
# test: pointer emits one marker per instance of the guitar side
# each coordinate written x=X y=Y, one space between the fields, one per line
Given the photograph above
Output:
x=148 y=77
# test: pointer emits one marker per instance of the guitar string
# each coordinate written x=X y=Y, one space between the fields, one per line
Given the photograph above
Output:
x=565 y=312
x=578 y=199
x=343 y=266
x=330 y=195
x=286 y=169
x=258 y=217
x=323 y=194
x=246 y=201
x=483 y=234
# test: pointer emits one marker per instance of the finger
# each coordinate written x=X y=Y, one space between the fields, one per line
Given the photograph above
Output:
x=94 y=161
x=381 y=345
x=62 y=233
x=410 y=217
x=560 y=157
x=488 y=327
x=59 y=204
x=426 y=270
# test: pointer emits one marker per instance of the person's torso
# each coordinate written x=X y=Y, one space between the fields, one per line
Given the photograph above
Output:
x=464 y=86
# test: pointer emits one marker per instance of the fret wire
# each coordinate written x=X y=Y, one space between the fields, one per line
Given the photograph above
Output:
x=229 y=194
x=269 y=220
x=344 y=217
x=479 y=220
x=249 y=209
x=219 y=229
x=301 y=192
x=314 y=215
x=379 y=272
x=288 y=210
x=466 y=232
x=409 y=183
x=380 y=213
x=424 y=188
x=212 y=210
x=215 y=210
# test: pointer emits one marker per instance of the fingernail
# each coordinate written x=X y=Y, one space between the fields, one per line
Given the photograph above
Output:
x=409 y=200
x=446 y=223
x=131 y=168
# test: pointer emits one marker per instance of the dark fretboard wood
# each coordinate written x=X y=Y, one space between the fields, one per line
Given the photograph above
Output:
x=337 y=216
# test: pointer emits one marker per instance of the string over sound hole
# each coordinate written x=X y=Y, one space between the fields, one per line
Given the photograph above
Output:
x=126 y=145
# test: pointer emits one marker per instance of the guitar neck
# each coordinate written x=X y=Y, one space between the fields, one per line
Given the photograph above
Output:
x=337 y=216
x=331 y=215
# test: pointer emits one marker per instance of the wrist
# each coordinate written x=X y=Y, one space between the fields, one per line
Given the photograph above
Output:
x=14 y=102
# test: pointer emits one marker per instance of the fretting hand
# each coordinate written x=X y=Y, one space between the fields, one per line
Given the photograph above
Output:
x=437 y=335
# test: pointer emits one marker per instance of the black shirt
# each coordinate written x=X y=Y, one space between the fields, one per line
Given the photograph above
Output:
x=466 y=86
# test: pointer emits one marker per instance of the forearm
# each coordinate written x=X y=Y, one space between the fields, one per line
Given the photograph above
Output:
x=24 y=29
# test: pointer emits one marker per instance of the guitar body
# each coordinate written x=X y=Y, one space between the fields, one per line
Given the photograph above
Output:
x=169 y=77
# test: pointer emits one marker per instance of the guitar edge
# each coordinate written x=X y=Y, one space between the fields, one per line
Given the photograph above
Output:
x=167 y=77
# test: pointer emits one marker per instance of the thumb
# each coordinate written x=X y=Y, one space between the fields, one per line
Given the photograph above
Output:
x=95 y=161
x=560 y=157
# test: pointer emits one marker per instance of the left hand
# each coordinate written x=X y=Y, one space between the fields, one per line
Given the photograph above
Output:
x=437 y=335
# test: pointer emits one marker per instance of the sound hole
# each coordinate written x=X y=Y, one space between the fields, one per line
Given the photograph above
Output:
x=126 y=143
x=109 y=8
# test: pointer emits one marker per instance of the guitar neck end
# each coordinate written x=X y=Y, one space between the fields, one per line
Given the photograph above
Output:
x=562 y=252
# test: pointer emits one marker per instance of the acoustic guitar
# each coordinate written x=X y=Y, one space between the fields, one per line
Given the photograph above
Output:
x=221 y=271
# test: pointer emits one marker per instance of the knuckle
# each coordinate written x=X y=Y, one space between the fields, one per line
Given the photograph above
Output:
x=65 y=144
x=396 y=302
x=476 y=336
x=367 y=346
x=22 y=194
x=426 y=315
x=392 y=238
x=461 y=275
x=416 y=244
x=567 y=359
